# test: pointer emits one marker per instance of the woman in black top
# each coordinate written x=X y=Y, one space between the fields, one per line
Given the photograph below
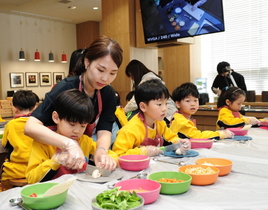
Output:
x=94 y=71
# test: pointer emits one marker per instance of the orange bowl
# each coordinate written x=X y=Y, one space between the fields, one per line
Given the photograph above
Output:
x=201 y=179
x=223 y=165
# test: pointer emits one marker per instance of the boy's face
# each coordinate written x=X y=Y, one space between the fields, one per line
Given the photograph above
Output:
x=188 y=106
x=69 y=129
x=155 y=109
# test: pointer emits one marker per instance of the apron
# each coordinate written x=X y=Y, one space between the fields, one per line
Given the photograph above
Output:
x=158 y=140
x=90 y=127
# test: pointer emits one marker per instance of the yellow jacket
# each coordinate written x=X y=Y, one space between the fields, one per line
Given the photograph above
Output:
x=121 y=116
x=19 y=146
x=130 y=137
x=186 y=129
x=226 y=119
x=40 y=162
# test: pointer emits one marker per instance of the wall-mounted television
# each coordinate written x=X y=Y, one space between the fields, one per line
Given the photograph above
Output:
x=165 y=20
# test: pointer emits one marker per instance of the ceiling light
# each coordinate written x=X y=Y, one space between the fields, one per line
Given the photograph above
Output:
x=72 y=7
x=50 y=57
x=21 y=55
x=95 y=8
x=64 y=58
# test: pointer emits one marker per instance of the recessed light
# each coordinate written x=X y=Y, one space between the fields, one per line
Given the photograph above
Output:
x=72 y=7
x=95 y=7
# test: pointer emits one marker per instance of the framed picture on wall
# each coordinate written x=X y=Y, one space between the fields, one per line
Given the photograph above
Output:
x=16 y=80
x=57 y=77
x=45 y=79
x=31 y=79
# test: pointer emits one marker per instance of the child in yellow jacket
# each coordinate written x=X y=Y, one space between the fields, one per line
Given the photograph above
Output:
x=186 y=98
x=146 y=130
x=229 y=104
x=73 y=110
x=14 y=141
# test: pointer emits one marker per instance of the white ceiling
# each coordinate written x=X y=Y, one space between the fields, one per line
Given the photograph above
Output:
x=55 y=9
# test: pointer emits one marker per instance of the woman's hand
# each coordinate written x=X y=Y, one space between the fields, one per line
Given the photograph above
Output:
x=75 y=157
x=103 y=160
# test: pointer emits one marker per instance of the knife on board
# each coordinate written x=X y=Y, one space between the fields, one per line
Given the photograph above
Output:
x=103 y=172
x=172 y=147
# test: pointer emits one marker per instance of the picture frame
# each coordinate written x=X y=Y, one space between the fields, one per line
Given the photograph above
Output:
x=16 y=79
x=31 y=79
x=45 y=78
x=57 y=77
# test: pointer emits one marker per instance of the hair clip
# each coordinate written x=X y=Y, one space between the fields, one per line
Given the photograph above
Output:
x=236 y=90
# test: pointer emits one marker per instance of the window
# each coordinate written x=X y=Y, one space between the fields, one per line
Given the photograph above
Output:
x=244 y=44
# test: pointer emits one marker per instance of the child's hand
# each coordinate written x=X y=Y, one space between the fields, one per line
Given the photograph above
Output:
x=59 y=158
x=254 y=121
x=75 y=156
x=226 y=134
x=151 y=151
x=186 y=145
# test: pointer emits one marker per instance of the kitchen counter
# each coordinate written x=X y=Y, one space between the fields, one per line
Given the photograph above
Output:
x=246 y=187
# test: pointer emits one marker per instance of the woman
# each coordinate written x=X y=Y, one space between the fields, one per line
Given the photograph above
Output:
x=139 y=73
x=96 y=69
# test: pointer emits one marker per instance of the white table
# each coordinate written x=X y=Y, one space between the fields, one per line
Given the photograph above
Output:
x=245 y=188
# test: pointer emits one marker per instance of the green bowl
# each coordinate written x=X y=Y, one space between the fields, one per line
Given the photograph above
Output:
x=41 y=202
x=172 y=188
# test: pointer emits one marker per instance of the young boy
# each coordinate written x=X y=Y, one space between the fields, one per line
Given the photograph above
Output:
x=14 y=141
x=73 y=110
x=186 y=99
x=145 y=131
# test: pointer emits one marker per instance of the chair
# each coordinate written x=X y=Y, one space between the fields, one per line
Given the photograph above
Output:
x=18 y=182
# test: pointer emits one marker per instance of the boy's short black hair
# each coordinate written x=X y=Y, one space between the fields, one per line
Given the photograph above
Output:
x=24 y=99
x=150 y=90
x=185 y=90
x=74 y=106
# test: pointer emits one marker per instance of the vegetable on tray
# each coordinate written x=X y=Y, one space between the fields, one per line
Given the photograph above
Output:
x=117 y=199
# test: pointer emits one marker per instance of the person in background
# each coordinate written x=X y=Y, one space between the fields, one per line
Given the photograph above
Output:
x=130 y=114
x=14 y=141
x=94 y=71
x=139 y=73
x=74 y=58
x=120 y=117
x=146 y=130
x=186 y=98
x=73 y=110
x=229 y=104
x=226 y=78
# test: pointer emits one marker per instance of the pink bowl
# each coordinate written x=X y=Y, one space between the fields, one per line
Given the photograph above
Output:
x=152 y=188
x=238 y=131
x=201 y=143
x=134 y=162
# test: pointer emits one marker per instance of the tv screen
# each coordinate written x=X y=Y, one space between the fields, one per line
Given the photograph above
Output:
x=165 y=20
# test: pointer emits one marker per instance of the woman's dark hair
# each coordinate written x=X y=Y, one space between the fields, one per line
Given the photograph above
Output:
x=136 y=70
x=76 y=55
x=232 y=94
x=24 y=99
x=74 y=106
x=130 y=95
x=99 y=48
x=185 y=90
x=150 y=90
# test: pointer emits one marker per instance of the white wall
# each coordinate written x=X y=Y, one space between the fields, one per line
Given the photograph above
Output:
x=32 y=34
